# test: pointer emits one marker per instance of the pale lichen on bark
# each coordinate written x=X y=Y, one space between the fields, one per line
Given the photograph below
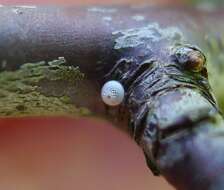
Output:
x=153 y=33
x=24 y=91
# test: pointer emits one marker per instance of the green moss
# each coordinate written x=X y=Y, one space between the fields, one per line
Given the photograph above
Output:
x=23 y=92
x=216 y=68
x=207 y=3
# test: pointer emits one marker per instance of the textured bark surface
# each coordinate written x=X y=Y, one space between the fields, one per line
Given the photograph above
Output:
x=156 y=58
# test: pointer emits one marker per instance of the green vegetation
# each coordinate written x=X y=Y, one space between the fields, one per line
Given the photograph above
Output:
x=208 y=3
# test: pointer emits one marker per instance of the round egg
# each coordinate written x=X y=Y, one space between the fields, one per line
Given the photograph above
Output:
x=112 y=93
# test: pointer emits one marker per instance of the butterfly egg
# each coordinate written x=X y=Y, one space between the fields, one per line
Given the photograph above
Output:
x=112 y=93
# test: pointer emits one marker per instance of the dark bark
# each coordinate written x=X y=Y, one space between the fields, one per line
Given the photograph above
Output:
x=152 y=52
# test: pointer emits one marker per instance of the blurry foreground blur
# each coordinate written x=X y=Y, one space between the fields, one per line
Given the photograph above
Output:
x=65 y=154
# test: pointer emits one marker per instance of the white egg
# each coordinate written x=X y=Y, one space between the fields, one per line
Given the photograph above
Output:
x=112 y=93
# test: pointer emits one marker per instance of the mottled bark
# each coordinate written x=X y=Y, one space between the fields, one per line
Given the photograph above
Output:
x=154 y=53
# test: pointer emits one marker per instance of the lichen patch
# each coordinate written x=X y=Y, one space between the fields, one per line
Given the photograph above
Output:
x=107 y=18
x=23 y=91
x=138 y=17
x=139 y=36
x=102 y=10
x=26 y=6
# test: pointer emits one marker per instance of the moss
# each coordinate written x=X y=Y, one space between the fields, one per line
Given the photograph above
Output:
x=216 y=68
x=23 y=91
